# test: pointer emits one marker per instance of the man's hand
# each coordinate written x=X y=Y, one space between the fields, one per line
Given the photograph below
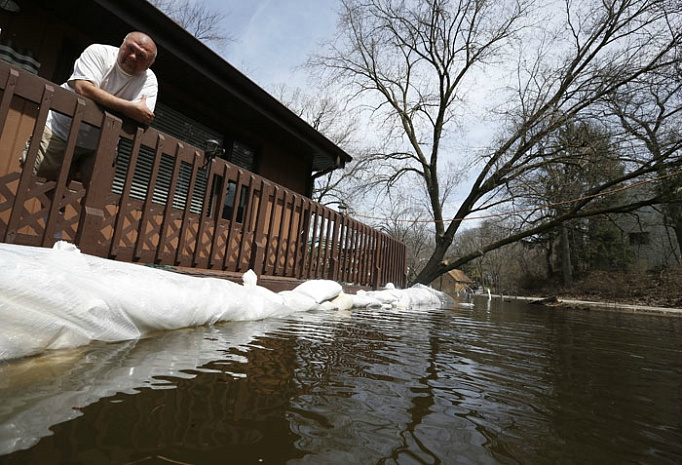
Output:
x=138 y=111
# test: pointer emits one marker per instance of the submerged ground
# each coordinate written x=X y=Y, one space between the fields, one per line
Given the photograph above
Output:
x=495 y=382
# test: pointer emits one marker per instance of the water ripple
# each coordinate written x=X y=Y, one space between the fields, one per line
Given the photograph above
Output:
x=494 y=383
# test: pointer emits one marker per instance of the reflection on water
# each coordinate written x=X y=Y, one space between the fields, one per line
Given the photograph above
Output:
x=496 y=383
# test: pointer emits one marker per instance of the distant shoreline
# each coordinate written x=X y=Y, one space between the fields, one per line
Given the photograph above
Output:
x=610 y=306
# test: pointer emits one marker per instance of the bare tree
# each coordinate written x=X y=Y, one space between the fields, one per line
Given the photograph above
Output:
x=579 y=156
x=499 y=269
x=328 y=115
x=406 y=219
x=198 y=19
x=652 y=114
x=415 y=61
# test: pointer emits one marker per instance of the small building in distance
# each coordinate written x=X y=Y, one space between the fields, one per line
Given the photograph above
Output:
x=453 y=282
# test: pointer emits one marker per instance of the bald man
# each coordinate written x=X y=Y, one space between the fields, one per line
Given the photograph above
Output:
x=120 y=80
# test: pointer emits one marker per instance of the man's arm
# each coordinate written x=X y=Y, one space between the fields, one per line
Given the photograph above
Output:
x=137 y=111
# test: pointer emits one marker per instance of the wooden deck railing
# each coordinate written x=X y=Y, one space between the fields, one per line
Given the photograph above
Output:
x=155 y=199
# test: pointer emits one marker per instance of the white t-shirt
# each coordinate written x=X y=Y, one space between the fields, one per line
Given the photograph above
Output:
x=98 y=65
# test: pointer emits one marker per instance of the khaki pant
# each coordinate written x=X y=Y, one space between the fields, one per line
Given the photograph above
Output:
x=51 y=157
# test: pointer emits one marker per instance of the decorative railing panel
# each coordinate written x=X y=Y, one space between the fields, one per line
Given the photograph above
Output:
x=155 y=199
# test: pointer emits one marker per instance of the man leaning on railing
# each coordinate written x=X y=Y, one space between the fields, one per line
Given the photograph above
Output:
x=120 y=80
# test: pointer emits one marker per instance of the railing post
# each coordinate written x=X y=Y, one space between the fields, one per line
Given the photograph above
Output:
x=301 y=247
x=183 y=249
x=236 y=201
x=270 y=237
x=8 y=93
x=334 y=259
x=167 y=211
x=62 y=180
x=202 y=247
x=345 y=260
x=25 y=180
x=313 y=239
x=92 y=213
x=139 y=247
x=280 y=235
x=378 y=243
x=292 y=238
x=257 y=259
x=218 y=202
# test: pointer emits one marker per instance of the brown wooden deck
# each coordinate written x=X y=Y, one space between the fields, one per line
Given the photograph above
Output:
x=193 y=212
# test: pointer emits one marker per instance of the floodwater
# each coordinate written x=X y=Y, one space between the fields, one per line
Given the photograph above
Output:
x=502 y=382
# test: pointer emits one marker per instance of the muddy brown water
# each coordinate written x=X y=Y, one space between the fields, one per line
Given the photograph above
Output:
x=499 y=382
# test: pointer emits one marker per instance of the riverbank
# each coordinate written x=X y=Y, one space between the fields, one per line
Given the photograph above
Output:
x=595 y=305
x=658 y=292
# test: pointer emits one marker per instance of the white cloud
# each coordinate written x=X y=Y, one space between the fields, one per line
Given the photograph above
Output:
x=274 y=37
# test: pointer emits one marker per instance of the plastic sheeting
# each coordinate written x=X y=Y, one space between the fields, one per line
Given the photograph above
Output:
x=61 y=298
x=42 y=391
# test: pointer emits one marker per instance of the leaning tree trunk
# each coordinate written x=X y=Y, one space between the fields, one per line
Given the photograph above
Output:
x=434 y=267
x=678 y=233
x=566 y=267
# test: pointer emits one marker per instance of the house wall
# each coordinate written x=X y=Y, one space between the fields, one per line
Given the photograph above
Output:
x=651 y=242
x=17 y=130
x=31 y=30
x=283 y=168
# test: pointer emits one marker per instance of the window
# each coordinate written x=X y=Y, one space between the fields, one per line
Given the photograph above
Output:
x=229 y=202
x=639 y=238
x=183 y=128
x=142 y=176
x=194 y=133
x=243 y=156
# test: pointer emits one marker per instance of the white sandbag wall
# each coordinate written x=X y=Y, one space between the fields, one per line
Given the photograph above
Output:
x=61 y=298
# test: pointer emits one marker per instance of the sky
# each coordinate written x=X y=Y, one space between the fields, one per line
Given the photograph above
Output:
x=274 y=37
